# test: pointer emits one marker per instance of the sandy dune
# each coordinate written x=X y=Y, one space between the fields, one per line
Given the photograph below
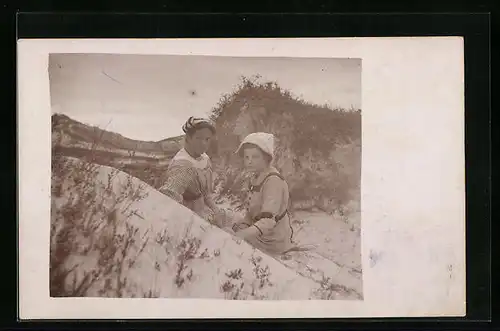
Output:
x=173 y=253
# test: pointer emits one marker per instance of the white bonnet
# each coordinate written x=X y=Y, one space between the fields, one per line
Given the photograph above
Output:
x=263 y=140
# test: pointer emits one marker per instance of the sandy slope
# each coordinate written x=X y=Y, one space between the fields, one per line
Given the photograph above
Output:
x=184 y=256
x=337 y=252
x=333 y=255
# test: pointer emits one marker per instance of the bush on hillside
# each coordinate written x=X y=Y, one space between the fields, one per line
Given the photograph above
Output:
x=318 y=148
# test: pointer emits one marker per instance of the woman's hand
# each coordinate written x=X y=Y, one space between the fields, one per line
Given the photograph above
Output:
x=265 y=225
x=220 y=213
x=239 y=226
x=249 y=232
x=229 y=230
x=209 y=201
x=219 y=216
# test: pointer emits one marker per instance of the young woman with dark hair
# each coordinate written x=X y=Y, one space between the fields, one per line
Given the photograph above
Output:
x=189 y=178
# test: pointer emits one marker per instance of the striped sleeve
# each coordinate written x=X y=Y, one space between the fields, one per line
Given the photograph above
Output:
x=179 y=179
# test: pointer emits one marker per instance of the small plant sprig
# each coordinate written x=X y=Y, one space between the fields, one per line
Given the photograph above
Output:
x=188 y=249
x=261 y=276
x=329 y=290
x=231 y=290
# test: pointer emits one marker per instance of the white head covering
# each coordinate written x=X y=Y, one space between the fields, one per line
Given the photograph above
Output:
x=263 y=140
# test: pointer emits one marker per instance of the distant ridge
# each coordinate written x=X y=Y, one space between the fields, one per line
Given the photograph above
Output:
x=145 y=160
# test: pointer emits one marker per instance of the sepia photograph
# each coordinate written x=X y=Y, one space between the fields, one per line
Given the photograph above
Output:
x=245 y=178
x=205 y=177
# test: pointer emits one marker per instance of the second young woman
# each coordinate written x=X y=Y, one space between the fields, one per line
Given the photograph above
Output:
x=189 y=178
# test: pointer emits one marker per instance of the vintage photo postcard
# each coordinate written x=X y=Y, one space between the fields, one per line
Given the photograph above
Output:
x=241 y=178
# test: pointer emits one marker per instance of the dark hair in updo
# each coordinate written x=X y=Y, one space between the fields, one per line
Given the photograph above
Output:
x=192 y=131
x=194 y=124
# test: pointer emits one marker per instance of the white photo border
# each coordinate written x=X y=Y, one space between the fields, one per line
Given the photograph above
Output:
x=413 y=178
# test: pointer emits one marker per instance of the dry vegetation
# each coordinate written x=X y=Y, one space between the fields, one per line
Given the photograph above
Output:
x=90 y=219
x=94 y=247
x=318 y=147
x=87 y=221
x=235 y=287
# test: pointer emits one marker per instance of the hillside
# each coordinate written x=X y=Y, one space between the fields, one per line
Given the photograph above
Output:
x=74 y=133
x=135 y=242
x=318 y=148
x=143 y=159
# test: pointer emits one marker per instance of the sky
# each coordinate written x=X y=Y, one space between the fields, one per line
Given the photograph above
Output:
x=149 y=97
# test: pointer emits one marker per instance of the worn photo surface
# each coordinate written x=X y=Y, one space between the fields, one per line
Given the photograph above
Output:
x=121 y=223
x=241 y=178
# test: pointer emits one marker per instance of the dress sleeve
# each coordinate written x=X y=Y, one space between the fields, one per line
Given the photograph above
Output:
x=272 y=196
x=272 y=199
x=177 y=182
x=240 y=221
x=210 y=180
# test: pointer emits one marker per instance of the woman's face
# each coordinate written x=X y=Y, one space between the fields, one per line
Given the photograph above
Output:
x=199 y=142
x=254 y=159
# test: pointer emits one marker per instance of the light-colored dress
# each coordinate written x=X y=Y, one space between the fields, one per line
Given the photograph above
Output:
x=268 y=198
x=189 y=181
